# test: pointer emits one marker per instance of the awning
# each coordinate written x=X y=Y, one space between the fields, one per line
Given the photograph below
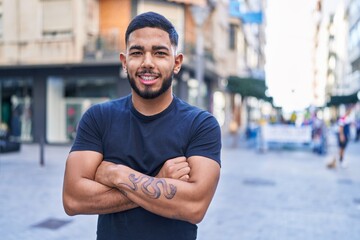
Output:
x=248 y=86
x=343 y=99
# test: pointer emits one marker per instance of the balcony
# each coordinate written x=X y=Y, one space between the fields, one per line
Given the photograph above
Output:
x=190 y=54
x=102 y=47
x=49 y=50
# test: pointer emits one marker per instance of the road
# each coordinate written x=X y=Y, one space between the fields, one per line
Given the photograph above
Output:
x=279 y=194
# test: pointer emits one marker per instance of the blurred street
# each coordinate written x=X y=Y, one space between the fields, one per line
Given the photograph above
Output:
x=279 y=194
x=282 y=77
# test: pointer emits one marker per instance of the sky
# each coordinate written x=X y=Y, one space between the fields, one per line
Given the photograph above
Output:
x=288 y=52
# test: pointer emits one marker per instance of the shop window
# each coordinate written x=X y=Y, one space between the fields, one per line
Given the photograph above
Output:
x=57 y=18
x=68 y=99
x=16 y=108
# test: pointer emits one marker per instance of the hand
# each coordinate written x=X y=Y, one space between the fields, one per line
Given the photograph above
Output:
x=175 y=168
x=104 y=173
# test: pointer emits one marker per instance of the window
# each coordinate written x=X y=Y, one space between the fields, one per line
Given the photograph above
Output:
x=1 y=20
x=1 y=26
x=232 y=36
x=56 y=18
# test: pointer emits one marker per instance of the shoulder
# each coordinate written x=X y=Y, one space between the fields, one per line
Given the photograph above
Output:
x=109 y=106
x=191 y=111
x=198 y=118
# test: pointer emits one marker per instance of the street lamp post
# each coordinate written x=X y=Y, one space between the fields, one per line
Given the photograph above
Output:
x=200 y=14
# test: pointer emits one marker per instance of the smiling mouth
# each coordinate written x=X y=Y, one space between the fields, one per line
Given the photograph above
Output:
x=148 y=79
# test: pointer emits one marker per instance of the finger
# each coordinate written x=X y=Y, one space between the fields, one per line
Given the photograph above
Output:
x=179 y=159
x=185 y=178
x=181 y=165
x=182 y=172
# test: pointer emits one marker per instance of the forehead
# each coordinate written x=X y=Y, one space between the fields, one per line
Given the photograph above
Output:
x=149 y=36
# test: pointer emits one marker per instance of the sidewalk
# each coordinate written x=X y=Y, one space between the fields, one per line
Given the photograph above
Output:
x=275 y=195
x=285 y=195
x=31 y=196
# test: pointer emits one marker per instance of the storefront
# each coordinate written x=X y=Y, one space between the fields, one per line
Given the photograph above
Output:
x=45 y=103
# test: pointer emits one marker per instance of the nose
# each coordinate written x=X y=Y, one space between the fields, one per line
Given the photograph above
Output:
x=148 y=61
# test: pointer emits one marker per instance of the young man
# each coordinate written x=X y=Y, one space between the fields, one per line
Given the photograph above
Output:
x=344 y=135
x=147 y=163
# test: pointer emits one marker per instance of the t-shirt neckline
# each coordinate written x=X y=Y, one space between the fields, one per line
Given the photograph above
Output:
x=151 y=117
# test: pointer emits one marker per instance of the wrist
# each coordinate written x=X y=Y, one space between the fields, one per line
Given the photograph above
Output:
x=119 y=176
x=113 y=175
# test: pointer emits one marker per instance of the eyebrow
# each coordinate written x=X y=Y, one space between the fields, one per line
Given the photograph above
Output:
x=136 y=47
x=160 y=48
x=154 y=48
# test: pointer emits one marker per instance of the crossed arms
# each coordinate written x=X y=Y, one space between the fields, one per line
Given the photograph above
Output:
x=182 y=190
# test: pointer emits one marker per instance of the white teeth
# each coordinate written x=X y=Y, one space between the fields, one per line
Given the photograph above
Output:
x=148 y=78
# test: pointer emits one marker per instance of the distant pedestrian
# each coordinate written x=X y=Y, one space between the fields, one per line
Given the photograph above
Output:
x=343 y=137
x=319 y=134
x=357 y=138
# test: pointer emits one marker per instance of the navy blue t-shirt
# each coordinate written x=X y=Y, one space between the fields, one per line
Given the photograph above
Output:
x=125 y=136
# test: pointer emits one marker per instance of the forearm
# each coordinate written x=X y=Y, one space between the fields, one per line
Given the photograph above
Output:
x=167 y=197
x=89 y=197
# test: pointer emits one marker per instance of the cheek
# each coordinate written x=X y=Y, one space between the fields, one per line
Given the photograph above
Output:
x=134 y=63
x=132 y=68
x=165 y=67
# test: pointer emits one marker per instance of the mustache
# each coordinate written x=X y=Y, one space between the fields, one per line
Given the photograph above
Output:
x=147 y=72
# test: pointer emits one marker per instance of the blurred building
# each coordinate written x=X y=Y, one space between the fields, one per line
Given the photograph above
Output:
x=336 y=53
x=45 y=59
x=58 y=57
x=323 y=75
x=246 y=60
x=353 y=14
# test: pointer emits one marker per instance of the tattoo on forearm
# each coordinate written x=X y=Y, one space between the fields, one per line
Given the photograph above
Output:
x=151 y=186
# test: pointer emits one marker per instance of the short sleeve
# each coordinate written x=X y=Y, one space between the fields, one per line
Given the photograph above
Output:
x=89 y=134
x=206 y=138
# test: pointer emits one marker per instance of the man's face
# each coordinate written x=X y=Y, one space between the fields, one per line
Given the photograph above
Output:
x=150 y=62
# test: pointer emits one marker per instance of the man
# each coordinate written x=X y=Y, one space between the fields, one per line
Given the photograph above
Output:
x=344 y=135
x=147 y=163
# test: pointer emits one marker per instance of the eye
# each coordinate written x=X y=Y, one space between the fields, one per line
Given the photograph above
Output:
x=135 y=53
x=161 y=53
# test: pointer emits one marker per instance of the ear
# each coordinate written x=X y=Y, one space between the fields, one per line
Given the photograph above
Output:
x=178 y=62
x=123 y=61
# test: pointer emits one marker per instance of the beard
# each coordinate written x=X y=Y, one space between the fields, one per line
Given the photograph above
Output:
x=147 y=93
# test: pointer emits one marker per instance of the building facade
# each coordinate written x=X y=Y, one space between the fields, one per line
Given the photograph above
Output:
x=336 y=55
x=63 y=56
x=246 y=60
x=353 y=12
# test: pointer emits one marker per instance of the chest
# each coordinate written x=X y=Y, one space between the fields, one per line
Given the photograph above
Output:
x=145 y=146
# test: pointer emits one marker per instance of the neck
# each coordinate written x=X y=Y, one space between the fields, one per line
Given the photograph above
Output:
x=149 y=107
